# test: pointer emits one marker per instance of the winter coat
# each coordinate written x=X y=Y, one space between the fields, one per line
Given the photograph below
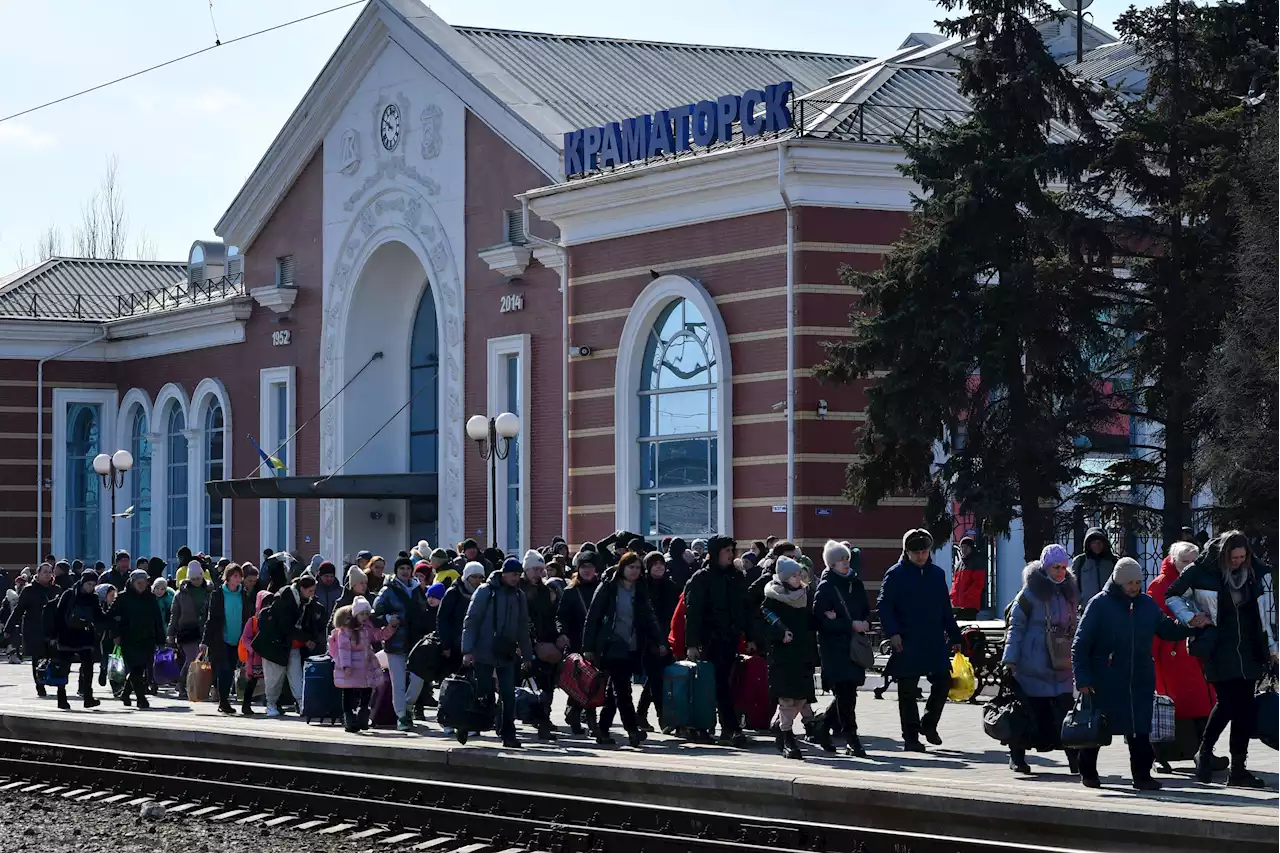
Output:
x=968 y=582
x=1239 y=644
x=453 y=610
x=286 y=622
x=543 y=600
x=401 y=600
x=1112 y=655
x=136 y=621
x=1093 y=571
x=715 y=608
x=835 y=635
x=186 y=618
x=675 y=638
x=663 y=595
x=355 y=665
x=677 y=569
x=790 y=664
x=328 y=595
x=598 y=635
x=915 y=604
x=347 y=598
x=757 y=628
x=166 y=605
x=497 y=616
x=115 y=578
x=78 y=613
x=571 y=614
x=253 y=660
x=216 y=620
x=29 y=613
x=1179 y=674
x=1026 y=643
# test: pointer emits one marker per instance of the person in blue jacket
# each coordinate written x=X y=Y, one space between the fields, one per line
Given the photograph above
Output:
x=1111 y=660
x=915 y=613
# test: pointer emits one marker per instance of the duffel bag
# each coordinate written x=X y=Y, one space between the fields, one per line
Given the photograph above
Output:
x=584 y=684
x=1007 y=718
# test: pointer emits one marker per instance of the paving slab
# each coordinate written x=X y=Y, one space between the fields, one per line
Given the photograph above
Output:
x=964 y=785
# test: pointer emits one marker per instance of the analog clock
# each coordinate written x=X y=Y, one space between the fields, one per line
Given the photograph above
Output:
x=390 y=130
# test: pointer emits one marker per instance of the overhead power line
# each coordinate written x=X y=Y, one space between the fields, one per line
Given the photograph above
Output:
x=178 y=59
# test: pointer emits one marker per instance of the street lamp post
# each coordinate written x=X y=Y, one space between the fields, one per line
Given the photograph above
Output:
x=493 y=439
x=111 y=470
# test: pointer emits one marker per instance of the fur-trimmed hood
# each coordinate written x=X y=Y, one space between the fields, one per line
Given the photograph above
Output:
x=1037 y=582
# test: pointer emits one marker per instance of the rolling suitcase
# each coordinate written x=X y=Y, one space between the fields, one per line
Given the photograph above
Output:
x=321 y=700
x=751 y=692
x=689 y=695
x=382 y=709
x=460 y=709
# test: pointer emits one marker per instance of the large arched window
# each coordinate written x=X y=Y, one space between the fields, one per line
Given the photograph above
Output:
x=83 y=432
x=679 y=425
x=214 y=447
x=140 y=485
x=175 y=482
x=424 y=413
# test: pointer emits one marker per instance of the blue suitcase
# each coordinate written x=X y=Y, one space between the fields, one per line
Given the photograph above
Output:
x=321 y=700
x=689 y=696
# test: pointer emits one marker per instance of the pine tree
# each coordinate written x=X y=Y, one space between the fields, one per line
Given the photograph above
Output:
x=985 y=317
x=1237 y=456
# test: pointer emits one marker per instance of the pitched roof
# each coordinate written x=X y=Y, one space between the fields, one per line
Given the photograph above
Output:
x=590 y=80
x=84 y=288
x=1116 y=64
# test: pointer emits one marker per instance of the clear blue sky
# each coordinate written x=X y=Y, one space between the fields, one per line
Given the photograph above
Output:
x=188 y=135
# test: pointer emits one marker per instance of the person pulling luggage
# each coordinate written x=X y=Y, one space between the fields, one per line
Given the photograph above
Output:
x=495 y=639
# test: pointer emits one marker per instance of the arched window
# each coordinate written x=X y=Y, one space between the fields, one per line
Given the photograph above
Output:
x=424 y=414
x=176 y=482
x=214 y=449
x=140 y=485
x=82 y=483
x=679 y=425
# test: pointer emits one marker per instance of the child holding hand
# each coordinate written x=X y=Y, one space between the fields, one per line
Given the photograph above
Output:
x=355 y=665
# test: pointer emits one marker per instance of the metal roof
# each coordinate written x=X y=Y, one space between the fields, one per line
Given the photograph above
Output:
x=591 y=80
x=84 y=288
x=1116 y=64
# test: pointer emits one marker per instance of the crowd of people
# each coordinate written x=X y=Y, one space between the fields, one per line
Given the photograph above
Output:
x=630 y=612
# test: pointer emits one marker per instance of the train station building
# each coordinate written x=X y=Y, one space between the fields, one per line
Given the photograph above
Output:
x=635 y=247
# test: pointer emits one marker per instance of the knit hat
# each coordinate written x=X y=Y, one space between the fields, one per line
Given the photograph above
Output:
x=511 y=564
x=1054 y=554
x=159 y=583
x=422 y=567
x=403 y=561
x=917 y=540
x=1126 y=570
x=89 y=576
x=472 y=569
x=806 y=562
x=195 y=567
x=361 y=605
x=137 y=575
x=785 y=567
x=436 y=590
x=699 y=546
x=364 y=555
x=439 y=557
x=121 y=553
x=533 y=558
x=584 y=557
x=355 y=575
x=305 y=580
x=467 y=543
x=101 y=591
x=326 y=568
x=833 y=552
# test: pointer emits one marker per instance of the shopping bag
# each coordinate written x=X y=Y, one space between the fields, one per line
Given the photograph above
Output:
x=115 y=666
x=583 y=682
x=964 y=683
x=53 y=672
x=1083 y=727
x=199 y=680
x=165 y=668
x=1267 y=704
x=1162 y=720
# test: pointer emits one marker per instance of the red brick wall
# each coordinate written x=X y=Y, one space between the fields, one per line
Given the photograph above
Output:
x=495 y=172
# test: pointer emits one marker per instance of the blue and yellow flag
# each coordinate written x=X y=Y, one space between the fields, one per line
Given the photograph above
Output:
x=272 y=462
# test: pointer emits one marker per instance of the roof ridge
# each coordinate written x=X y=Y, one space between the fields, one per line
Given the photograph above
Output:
x=79 y=259
x=672 y=44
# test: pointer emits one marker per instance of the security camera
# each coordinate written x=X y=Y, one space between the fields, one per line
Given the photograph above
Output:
x=375 y=516
x=579 y=351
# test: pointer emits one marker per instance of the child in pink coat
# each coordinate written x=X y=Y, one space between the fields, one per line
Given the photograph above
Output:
x=252 y=660
x=355 y=665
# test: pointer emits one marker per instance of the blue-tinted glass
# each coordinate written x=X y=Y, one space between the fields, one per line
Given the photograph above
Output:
x=280 y=534
x=423 y=450
x=684 y=363
x=683 y=463
x=214 y=435
x=82 y=482
x=140 y=486
x=683 y=513
x=684 y=412
x=513 y=458
x=422 y=411
x=648 y=464
x=425 y=347
x=176 y=483
x=649 y=514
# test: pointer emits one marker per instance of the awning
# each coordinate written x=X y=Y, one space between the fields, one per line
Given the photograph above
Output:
x=340 y=486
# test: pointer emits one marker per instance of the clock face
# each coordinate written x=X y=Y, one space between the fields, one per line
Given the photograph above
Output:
x=390 y=130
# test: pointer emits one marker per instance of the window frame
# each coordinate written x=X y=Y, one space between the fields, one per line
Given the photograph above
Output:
x=270 y=378
x=106 y=400
x=498 y=392
x=629 y=372
x=206 y=393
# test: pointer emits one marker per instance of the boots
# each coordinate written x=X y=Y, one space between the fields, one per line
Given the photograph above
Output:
x=817 y=733
x=63 y=704
x=1073 y=762
x=1018 y=760
x=573 y=719
x=779 y=740
x=853 y=746
x=89 y=701
x=1204 y=767
x=1240 y=777
x=790 y=748
x=350 y=723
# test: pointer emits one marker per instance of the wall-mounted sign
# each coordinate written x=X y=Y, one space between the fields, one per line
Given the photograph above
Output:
x=779 y=508
x=822 y=510
x=511 y=302
x=677 y=129
x=281 y=338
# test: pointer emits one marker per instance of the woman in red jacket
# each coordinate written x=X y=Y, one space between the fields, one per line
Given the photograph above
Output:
x=968 y=581
x=1179 y=675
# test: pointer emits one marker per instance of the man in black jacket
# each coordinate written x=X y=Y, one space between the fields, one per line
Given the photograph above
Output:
x=678 y=570
x=542 y=601
x=715 y=619
x=290 y=626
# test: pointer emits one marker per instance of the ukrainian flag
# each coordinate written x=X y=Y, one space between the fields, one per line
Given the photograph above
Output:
x=272 y=462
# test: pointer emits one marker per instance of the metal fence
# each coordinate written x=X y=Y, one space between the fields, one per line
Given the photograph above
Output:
x=62 y=306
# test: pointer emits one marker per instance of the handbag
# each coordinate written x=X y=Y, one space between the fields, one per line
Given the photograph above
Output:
x=1058 y=642
x=1007 y=717
x=860 y=651
x=53 y=672
x=1083 y=727
x=1163 y=729
x=547 y=653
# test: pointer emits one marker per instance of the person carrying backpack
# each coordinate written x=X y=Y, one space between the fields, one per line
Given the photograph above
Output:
x=290 y=623
x=35 y=614
x=495 y=639
x=78 y=615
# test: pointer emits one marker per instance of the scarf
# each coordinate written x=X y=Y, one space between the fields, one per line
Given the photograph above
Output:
x=1235 y=580
x=791 y=597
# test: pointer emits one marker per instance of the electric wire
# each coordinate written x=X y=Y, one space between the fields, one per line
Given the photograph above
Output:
x=178 y=59
x=385 y=424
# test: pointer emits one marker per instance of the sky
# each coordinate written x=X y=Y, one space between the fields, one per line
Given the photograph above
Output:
x=188 y=135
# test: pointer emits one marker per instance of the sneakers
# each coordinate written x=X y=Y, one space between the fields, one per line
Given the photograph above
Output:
x=273 y=711
x=405 y=723
x=931 y=734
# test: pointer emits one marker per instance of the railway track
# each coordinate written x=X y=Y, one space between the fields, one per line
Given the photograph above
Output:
x=416 y=814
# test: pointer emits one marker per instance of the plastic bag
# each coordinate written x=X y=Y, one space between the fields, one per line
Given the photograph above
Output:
x=115 y=666
x=165 y=668
x=199 y=680
x=964 y=683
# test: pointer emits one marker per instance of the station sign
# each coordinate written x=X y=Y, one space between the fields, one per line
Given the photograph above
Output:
x=678 y=129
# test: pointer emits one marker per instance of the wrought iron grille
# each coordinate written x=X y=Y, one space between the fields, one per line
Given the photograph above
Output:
x=38 y=305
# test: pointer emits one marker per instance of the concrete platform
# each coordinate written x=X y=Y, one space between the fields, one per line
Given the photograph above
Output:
x=963 y=787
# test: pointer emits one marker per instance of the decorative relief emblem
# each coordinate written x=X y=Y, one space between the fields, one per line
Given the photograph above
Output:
x=349 y=151
x=432 y=119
